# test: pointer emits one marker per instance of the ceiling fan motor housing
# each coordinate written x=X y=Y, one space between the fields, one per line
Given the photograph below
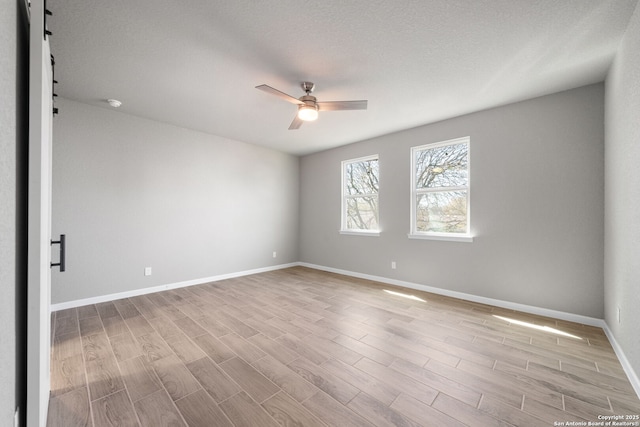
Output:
x=309 y=100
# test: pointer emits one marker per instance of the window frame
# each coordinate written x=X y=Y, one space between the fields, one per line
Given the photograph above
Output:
x=344 y=196
x=415 y=192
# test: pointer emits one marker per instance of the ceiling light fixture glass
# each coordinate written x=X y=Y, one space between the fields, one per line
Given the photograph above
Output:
x=308 y=112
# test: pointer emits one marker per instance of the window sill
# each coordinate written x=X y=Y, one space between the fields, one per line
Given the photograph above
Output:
x=463 y=238
x=360 y=233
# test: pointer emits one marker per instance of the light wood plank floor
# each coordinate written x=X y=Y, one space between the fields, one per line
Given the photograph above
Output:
x=300 y=347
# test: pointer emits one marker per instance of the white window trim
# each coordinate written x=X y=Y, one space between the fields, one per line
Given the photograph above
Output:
x=441 y=236
x=344 y=196
x=452 y=237
x=370 y=233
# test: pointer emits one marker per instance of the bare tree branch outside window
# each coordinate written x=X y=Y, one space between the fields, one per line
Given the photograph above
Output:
x=360 y=194
x=441 y=188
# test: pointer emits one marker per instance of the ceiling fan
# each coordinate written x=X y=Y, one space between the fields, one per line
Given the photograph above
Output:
x=308 y=105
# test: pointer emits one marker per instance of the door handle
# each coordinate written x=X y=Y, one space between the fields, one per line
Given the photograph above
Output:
x=62 y=243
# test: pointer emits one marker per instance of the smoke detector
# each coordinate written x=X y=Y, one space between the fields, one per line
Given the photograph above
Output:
x=114 y=103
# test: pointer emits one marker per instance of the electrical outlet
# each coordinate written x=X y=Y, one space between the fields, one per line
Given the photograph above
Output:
x=393 y=265
x=147 y=271
x=275 y=254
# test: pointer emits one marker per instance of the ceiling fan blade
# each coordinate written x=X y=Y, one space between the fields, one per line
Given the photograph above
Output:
x=342 y=105
x=296 y=123
x=279 y=94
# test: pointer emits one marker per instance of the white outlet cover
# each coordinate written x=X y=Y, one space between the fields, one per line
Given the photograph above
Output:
x=147 y=271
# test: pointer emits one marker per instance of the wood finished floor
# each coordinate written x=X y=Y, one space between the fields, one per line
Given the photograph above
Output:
x=300 y=347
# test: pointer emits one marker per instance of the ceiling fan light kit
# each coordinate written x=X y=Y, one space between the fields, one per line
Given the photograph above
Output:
x=307 y=112
x=308 y=105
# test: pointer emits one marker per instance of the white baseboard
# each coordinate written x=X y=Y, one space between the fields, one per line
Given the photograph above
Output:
x=628 y=369
x=585 y=320
x=144 y=291
x=561 y=315
x=460 y=295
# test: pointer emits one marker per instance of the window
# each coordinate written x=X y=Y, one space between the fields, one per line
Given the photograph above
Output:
x=360 y=196
x=440 y=190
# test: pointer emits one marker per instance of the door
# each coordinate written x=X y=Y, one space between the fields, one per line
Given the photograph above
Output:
x=39 y=219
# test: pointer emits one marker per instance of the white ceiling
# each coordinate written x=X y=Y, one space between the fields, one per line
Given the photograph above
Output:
x=195 y=63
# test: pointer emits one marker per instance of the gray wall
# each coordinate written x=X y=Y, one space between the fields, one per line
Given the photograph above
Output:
x=536 y=200
x=622 y=194
x=131 y=193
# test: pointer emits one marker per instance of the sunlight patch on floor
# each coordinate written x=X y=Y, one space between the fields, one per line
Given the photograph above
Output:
x=538 y=327
x=400 y=294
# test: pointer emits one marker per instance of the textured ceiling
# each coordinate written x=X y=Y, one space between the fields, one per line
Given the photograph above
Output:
x=195 y=63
